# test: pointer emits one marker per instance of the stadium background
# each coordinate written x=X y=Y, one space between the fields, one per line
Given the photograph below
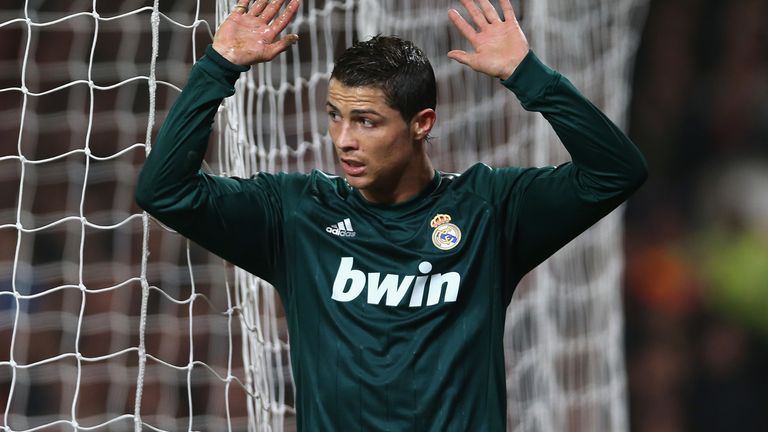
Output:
x=697 y=233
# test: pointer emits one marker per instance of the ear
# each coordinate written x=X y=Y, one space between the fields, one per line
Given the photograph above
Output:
x=422 y=123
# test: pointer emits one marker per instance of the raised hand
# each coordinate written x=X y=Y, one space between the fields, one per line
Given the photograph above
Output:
x=500 y=45
x=248 y=35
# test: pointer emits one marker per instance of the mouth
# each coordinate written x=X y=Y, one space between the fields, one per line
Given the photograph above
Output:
x=352 y=167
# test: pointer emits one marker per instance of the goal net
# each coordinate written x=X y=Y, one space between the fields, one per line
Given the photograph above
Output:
x=110 y=321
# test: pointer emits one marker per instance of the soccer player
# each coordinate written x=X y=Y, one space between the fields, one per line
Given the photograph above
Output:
x=395 y=277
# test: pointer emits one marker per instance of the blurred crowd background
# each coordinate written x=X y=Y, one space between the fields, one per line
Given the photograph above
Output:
x=697 y=232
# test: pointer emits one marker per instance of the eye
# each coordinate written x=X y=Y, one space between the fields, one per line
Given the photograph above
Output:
x=366 y=122
x=333 y=115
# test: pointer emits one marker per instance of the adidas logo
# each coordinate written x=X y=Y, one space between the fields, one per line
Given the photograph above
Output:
x=342 y=229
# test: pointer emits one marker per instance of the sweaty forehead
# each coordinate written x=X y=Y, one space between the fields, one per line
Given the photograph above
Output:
x=364 y=97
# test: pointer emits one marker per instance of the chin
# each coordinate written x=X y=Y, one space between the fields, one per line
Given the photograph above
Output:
x=357 y=182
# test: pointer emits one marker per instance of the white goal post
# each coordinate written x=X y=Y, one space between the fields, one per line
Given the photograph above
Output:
x=109 y=321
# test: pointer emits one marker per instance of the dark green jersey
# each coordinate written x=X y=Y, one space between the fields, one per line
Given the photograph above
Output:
x=395 y=312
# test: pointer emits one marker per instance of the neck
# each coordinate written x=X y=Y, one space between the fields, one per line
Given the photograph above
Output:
x=415 y=178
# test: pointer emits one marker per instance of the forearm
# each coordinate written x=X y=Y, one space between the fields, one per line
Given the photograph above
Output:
x=606 y=162
x=559 y=203
x=170 y=177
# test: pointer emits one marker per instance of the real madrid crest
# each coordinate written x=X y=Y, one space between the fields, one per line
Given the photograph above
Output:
x=446 y=235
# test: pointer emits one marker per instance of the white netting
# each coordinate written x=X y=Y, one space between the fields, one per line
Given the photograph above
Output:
x=110 y=320
x=98 y=302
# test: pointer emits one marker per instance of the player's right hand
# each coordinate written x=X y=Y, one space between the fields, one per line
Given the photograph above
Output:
x=248 y=34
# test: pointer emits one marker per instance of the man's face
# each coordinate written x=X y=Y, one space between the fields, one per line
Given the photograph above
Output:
x=374 y=144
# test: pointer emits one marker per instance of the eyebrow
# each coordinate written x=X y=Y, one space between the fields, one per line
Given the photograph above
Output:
x=355 y=111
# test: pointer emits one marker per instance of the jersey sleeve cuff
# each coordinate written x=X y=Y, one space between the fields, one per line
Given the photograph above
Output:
x=530 y=79
x=217 y=66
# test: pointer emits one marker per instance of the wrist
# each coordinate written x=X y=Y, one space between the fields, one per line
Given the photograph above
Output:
x=531 y=79
x=509 y=69
x=223 y=66
x=228 y=53
x=506 y=72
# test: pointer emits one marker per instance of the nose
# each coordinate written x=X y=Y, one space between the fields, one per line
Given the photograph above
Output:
x=344 y=139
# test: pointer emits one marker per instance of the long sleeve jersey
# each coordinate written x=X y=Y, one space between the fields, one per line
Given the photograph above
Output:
x=395 y=312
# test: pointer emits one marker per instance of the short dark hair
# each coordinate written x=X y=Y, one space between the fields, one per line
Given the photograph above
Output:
x=396 y=66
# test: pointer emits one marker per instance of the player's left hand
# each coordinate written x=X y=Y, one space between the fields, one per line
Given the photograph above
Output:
x=499 y=44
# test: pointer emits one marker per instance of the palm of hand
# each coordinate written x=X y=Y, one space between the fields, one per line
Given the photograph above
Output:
x=246 y=38
x=497 y=53
x=499 y=46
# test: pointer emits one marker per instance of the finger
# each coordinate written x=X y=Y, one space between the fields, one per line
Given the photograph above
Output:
x=282 y=21
x=462 y=25
x=258 y=7
x=489 y=11
x=281 y=45
x=460 y=56
x=508 y=10
x=241 y=7
x=477 y=15
x=271 y=10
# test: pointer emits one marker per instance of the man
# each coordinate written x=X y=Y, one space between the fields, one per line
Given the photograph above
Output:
x=395 y=278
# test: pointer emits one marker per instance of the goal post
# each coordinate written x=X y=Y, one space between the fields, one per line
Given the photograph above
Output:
x=110 y=321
